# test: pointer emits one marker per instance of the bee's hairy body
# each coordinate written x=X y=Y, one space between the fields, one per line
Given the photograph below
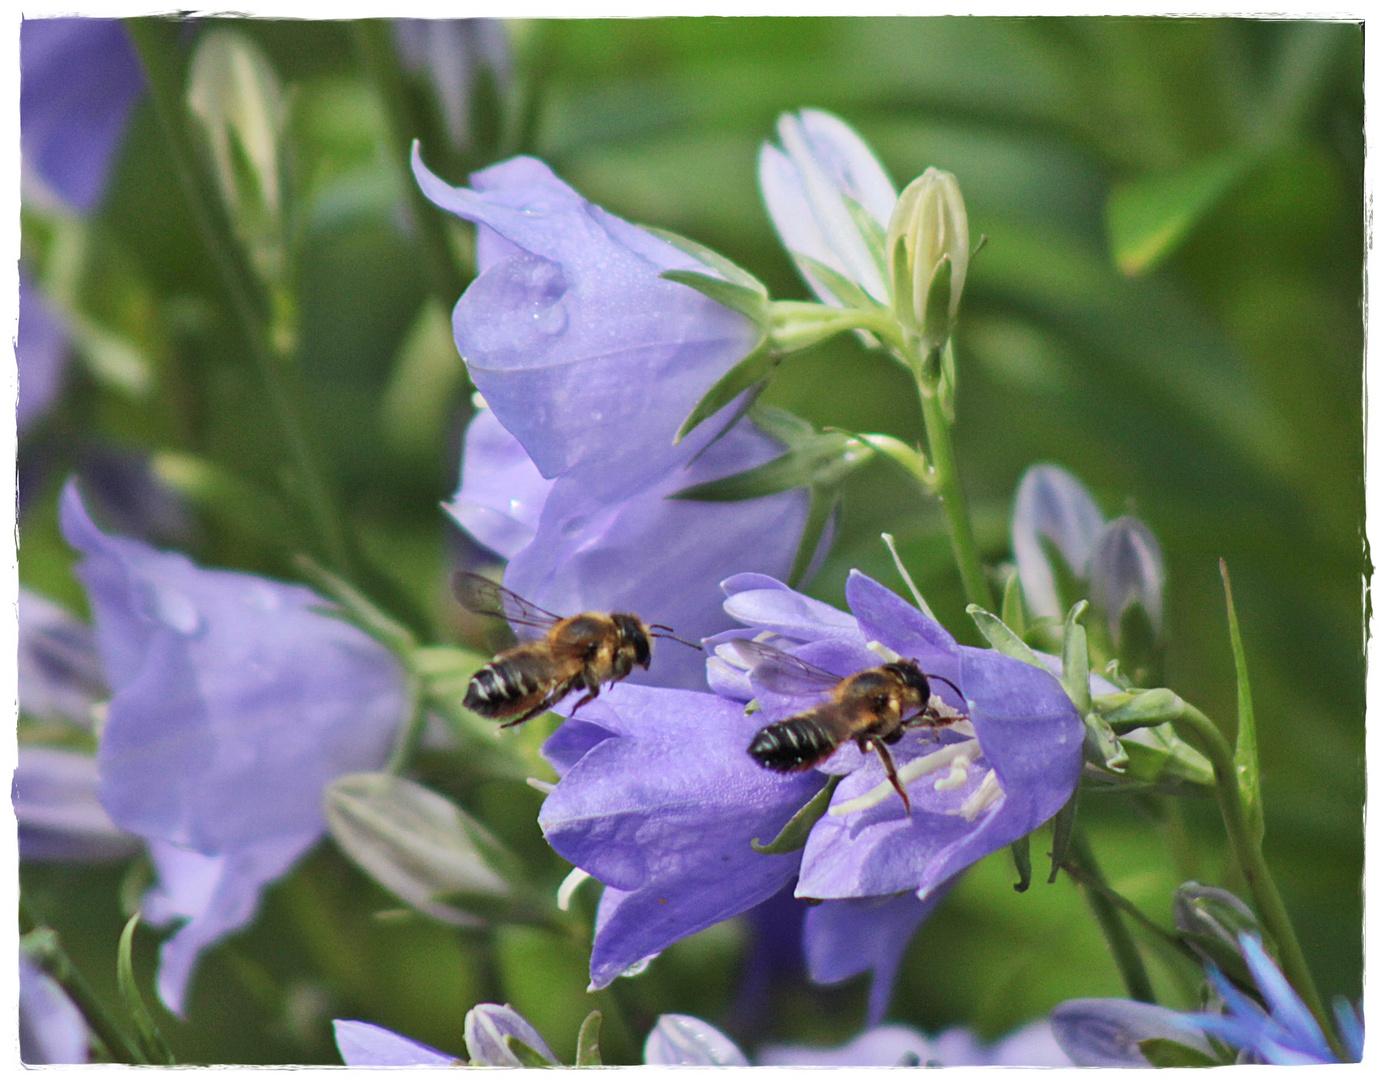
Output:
x=871 y=706
x=582 y=652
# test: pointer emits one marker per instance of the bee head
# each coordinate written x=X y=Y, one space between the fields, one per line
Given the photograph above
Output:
x=911 y=676
x=633 y=634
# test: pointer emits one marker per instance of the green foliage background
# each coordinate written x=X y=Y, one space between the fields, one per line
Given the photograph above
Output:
x=1217 y=395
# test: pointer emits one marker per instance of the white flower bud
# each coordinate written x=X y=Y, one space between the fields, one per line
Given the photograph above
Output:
x=928 y=241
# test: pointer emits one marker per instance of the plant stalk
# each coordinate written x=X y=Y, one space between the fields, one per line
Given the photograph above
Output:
x=1121 y=944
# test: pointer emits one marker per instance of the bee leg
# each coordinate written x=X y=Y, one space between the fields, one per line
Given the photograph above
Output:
x=591 y=695
x=891 y=771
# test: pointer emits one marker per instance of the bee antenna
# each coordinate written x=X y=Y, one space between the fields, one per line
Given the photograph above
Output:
x=670 y=634
x=948 y=682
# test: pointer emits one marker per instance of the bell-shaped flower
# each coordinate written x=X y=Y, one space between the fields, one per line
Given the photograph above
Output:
x=488 y=1028
x=236 y=700
x=453 y=55
x=588 y=356
x=829 y=199
x=1105 y=1032
x=1120 y=561
x=78 y=80
x=660 y=801
x=52 y=1030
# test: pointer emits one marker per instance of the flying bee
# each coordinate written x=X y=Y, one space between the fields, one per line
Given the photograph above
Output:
x=582 y=652
x=873 y=707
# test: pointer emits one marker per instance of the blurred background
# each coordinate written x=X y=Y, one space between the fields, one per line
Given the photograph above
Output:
x=1168 y=305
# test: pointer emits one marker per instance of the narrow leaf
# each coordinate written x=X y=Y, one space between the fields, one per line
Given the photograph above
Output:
x=713 y=259
x=793 y=836
x=1063 y=827
x=842 y=288
x=901 y=281
x=1075 y=659
x=910 y=458
x=588 y=1042
x=1011 y=611
x=936 y=324
x=1148 y=708
x=1149 y=217
x=359 y=609
x=1001 y=638
x=1246 y=739
x=907 y=578
x=754 y=368
x=746 y=301
x=782 y=425
x=1170 y=1054
x=1021 y=850
x=148 y=1038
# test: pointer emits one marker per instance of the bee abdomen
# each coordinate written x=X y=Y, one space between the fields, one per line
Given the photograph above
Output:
x=789 y=745
x=496 y=687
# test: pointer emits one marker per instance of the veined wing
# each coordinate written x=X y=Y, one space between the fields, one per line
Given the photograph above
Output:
x=782 y=672
x=485 y=597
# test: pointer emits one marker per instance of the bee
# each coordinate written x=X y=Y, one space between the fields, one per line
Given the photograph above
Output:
x=582 y=652
x=873 y=707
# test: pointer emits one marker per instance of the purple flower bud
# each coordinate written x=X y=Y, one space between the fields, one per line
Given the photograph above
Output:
x=1052 y=505
x=51 y=1028
x=1126 y=569
x=236 y=700
x=1105 y=1032
x=808 y=187
x=59 y=816
x=365 y=1046
x=685 y=1040
x=78 y=81
x=451 y=54
x=487 y=1027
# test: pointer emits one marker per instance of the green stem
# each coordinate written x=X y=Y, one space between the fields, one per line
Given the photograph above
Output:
x=54 y=961
x=155 y=40
x=373 y=38
x=947 y=481
x=1116 y=934
x=1203 y=733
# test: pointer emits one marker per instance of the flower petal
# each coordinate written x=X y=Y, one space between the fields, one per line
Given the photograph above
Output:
x=1126 y=569
x=1105 y=1032
x=59 y=670
x=886 y=617
x=685 y=1040
x=52 y=1030
x=363 y=1045
x=1052 y=504
x=57 y=810
x=502 y=492
x=488 y=1025
x=566 y=333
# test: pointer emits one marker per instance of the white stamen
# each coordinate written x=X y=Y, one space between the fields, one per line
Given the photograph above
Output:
x=880 y=649
x=969 y=750
x=960 y=772
x=568 y=888
x=540 y=785
x=983 y=797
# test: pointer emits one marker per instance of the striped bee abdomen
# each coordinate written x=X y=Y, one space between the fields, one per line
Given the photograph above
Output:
x=499 y=686
x=789 y=745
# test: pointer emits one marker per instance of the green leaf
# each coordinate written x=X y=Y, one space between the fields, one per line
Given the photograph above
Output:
x=1063 y=828
x=1170 y=1054
x=1246 y=739
x=148 y=1038
x=783 y=425
x=901 y=285
x=528 y=1057
x=909 y=457
x=1147 y=708
x=825 y=461
x=820 y=508
x=1021 y=849
x=1011 y=610
x=1075 y=659
x=844 y=290
x=793 y=835
x=1148 y=218
x=936 y=317
x=588 y=1042
x=716 y=261
x=1001 y=638
x=1158 y=754
x=753 y=305
x=753 y=369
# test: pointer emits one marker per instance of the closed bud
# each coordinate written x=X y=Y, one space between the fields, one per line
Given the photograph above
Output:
x=928 y=254
x=686 y=1040
x=489 y=1029
x=1126 y=570
x=1205 y=909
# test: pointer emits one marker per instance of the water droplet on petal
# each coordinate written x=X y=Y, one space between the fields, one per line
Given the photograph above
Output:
x=551 y=320
x=261 y=597
x=175 y=609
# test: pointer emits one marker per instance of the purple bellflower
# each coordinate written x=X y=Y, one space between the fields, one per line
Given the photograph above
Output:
x=79 y=79
x=659 y=800
x=1107 y=1031
x=236 y=699
x=487 y=1026
x=589 y=361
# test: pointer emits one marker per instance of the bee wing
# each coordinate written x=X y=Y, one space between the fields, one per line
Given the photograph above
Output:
x=484 y=597
x=782 y=672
